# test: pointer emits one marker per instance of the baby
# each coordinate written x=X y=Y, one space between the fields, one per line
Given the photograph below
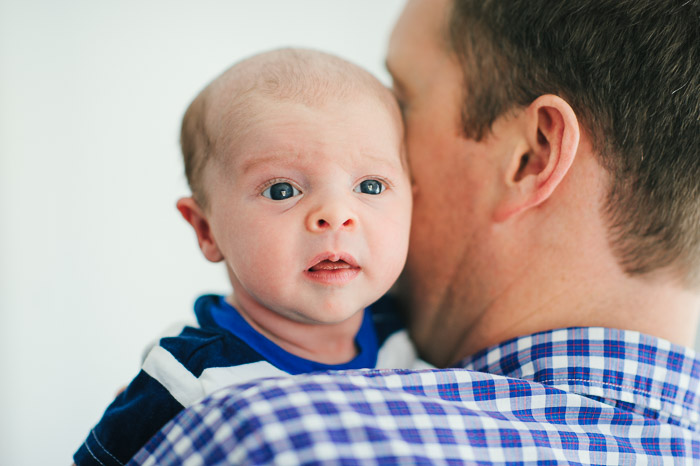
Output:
x=300 y=186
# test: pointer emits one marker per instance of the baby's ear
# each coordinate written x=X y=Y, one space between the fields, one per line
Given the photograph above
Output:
x=196 y=217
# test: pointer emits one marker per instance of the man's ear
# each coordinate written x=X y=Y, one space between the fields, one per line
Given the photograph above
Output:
x=195 y=216
x=550 y=138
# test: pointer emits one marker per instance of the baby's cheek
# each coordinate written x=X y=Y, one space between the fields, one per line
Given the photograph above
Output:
x=392 y=248
x=248 y=249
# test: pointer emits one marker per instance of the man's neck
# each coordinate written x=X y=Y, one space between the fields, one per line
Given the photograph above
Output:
x=553 y=268
x=647 y=305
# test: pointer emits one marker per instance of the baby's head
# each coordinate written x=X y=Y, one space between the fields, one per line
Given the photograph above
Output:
x=299 y=181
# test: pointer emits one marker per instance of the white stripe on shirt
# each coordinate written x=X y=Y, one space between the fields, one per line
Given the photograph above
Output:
x=188 y=389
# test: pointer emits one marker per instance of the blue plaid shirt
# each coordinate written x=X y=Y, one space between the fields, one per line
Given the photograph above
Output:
x=569 y=396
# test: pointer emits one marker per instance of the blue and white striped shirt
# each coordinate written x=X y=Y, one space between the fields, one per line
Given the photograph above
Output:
x=222 y=350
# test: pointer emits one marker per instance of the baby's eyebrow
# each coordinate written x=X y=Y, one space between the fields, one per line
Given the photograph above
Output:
x=378 y=160
x=286 y=159
x=254 y=161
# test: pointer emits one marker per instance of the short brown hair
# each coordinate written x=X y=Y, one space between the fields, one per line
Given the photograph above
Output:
x=300 y=75
x=630 y=69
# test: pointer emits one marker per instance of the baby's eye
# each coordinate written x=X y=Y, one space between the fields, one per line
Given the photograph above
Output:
x=280 y=191
x=370 y=187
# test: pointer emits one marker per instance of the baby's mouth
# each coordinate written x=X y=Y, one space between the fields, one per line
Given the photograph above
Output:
x=333 y=269
x=330 y=265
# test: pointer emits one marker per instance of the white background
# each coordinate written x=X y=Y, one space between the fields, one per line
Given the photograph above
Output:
x=94 y=258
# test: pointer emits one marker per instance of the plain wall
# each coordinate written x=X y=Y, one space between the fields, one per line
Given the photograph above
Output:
x=95 y=261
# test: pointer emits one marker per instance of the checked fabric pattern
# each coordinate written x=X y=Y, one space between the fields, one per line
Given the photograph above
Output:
x=569 y=396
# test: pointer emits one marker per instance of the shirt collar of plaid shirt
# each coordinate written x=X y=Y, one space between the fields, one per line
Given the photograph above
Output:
x=650 y=376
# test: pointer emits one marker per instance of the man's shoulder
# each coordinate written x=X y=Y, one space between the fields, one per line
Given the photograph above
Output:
x=422 y=416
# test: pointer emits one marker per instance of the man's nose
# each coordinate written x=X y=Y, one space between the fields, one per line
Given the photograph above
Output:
x=331 y=216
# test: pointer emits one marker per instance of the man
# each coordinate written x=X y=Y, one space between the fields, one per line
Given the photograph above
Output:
x=555 y=253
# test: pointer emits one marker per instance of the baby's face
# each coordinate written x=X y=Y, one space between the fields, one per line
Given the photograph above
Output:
x=312 y=207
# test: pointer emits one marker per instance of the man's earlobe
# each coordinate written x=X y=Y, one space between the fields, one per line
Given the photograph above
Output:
x=195 y=216
x=550 y=139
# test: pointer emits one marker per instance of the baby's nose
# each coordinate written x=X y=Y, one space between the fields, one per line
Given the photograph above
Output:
x=331 y=216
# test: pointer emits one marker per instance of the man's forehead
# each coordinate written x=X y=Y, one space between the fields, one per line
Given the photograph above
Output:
x=421 y=21
x=420 y=29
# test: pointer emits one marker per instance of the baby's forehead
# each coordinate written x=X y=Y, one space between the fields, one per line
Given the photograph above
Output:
x=247 y=94
x=283 y=129
x=259 y=113
x=304 y=76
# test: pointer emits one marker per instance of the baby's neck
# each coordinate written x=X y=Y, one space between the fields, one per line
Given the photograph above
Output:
x=325 y=343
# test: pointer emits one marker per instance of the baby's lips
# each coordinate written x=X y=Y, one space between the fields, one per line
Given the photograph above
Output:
x=325 y=261
x=330 y=265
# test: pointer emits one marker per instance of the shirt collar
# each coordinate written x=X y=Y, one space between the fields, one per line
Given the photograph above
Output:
x=627 y=369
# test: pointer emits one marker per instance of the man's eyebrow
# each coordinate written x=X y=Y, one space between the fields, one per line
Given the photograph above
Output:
x=388 y=67
x=397 y=84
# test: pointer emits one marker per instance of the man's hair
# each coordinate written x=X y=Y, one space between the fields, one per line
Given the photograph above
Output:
x=218 y=115
x=630 y=69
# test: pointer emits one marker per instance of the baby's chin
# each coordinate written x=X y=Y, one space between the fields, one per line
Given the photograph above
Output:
x=328 y=315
